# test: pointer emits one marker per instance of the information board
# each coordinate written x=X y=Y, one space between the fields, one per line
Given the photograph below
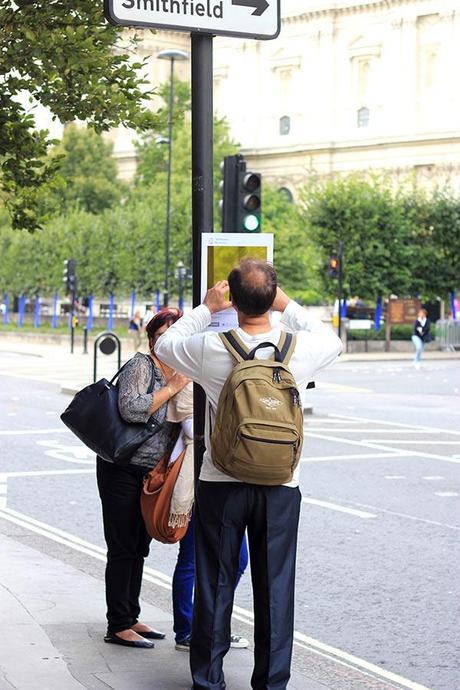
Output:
x=402 y=311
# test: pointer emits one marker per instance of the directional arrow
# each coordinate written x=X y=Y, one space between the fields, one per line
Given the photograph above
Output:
x=259 y=5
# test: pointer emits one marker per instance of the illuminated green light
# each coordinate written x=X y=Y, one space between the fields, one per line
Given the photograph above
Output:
x=251 y=223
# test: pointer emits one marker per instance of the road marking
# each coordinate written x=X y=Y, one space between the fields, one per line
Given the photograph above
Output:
x=76 y=454
x=373 y=431
x=433 y=478
x=409 y=517
x=326 y=420
x=340 y=509
x=11 y=414
x=447 y=494
x=45 y=473
x=356 y=456
x=162 y=580
x=398 y=424
x=3 y=490
x=374 y=444
x=32 y=432
x=395 y=476
x=411 y=441
x=340 y=388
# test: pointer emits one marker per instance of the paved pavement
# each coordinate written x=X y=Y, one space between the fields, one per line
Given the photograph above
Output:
x=52 y=638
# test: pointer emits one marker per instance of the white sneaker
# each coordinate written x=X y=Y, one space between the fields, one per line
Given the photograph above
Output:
x=238 y=642
x=417 y=365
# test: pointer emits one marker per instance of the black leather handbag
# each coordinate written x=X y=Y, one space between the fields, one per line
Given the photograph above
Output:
x=94 y=417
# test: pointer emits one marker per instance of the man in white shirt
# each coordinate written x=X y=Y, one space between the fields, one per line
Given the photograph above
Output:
x=226 y=507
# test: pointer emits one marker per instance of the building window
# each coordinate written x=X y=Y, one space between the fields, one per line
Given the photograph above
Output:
x=286 y=194
x=363 y=117
x=285 y=125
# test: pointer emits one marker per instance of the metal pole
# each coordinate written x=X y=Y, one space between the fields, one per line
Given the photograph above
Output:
x=72 y=326
x=202 y=192
x=340 y=286
x=168 y=188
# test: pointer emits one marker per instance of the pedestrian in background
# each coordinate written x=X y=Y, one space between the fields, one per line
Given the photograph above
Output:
x=421 y=336
x=135 y=326
x=226 y=506
x=120 y=487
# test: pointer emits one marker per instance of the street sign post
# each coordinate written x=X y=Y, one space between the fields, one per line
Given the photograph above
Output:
x=203 y=19
x=244 y=18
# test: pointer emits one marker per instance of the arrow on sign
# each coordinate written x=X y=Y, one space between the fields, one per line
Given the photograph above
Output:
x=259 y=5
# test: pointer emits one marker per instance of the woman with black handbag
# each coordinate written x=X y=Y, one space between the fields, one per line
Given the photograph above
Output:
x=145 y=386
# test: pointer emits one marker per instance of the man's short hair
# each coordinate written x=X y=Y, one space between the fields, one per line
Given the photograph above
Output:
x=253 y=286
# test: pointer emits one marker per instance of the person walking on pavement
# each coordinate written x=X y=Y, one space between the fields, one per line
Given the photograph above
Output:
x=224 y=506
x=421 y=336
x=120 y=488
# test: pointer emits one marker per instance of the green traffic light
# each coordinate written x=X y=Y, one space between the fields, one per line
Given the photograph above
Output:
x=251 y=223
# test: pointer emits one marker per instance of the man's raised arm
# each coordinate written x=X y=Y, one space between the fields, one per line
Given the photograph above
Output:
x=181 y=346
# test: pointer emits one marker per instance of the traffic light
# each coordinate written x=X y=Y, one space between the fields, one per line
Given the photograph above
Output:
x=241 y=196
x=333 y=269
x=69 y=276
x=230 y=167
x=249 y=201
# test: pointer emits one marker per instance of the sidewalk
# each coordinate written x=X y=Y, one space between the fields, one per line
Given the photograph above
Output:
x=52 y=625
x=71 y=372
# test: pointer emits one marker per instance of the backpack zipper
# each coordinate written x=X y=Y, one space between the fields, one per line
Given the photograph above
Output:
x=265 y=440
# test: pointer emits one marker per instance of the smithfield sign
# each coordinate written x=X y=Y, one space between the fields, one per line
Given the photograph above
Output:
x=245 y=18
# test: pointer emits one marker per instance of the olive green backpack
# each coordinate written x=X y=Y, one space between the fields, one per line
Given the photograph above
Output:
x=258 y=432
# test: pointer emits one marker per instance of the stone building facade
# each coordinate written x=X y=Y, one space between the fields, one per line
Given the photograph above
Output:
x=348 y=86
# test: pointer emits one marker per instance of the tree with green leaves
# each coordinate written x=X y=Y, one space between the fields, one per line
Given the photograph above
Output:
x=87 y=177
x=371 y=221
x=71 y=61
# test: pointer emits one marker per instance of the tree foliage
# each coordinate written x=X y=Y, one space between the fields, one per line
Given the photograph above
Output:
x=87 y=177
x=67 y=58
x=396 y=240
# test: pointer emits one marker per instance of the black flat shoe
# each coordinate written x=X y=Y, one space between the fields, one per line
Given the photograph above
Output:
x=151 y=634
x=142 y=644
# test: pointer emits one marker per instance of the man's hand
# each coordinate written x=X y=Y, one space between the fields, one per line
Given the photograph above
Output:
x=216 y=297
x=281 y=301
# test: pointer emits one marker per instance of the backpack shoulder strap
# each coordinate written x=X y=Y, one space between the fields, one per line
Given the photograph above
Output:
x=234 y=345
x=286 y=346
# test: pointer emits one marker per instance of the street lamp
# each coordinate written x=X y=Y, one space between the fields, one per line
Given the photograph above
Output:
x=172 y=56
x=181 y=275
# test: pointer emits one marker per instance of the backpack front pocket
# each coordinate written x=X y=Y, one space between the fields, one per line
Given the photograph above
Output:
x=266 y=451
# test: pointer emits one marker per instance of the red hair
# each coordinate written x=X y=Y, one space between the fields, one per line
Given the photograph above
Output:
x=167 y=315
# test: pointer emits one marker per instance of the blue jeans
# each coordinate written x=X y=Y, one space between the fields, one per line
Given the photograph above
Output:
x=419 y=345
x=184 y=580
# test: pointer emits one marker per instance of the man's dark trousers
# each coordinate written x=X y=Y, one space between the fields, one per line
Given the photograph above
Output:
x=271 y=515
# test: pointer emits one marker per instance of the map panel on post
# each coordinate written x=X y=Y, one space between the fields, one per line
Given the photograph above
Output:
x=245 y=18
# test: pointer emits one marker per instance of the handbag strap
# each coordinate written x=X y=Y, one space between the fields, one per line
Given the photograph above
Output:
x=152 y=378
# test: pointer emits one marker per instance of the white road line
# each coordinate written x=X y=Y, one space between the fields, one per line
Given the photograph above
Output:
x=411 y=441
x=373 y=444
x=395 y=476
x=3 y=490
x=327 y=420
x=340 y=509
x=433 y=478
x=409 y=517
x=45 y=473
x=372 y=431
x=447 y=494
x=162 y=580
x=32 y=432
x=356 y=456
x=398 y=424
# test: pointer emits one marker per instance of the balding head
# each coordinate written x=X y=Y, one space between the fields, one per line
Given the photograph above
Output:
x=253 y=287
